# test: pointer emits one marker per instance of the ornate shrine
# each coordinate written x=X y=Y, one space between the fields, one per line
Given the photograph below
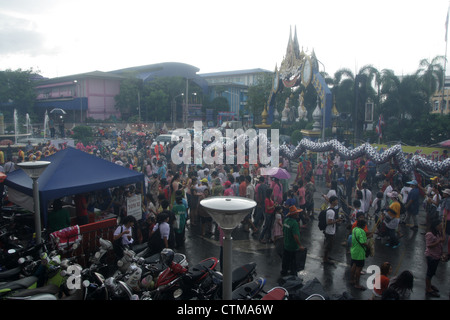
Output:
x=300 y=69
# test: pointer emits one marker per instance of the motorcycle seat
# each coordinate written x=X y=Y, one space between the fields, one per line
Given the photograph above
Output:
x=242 y=272
x=7 y=274
x=23 y=283
x=50 y=289
x=139 y=247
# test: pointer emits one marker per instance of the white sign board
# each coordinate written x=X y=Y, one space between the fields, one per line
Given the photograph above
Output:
x=134 y=207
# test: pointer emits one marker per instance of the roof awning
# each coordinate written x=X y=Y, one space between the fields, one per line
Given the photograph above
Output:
x=65 y=104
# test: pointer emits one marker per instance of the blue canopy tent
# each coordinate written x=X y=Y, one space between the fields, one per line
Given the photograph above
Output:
x=70 y=172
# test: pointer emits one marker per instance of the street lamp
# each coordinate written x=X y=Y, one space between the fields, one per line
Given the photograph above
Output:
x=34 y=169
x=81 y=101
x=174 y=109
x=227 y=212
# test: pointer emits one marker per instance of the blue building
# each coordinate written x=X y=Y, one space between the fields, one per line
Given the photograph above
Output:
x=233 y=85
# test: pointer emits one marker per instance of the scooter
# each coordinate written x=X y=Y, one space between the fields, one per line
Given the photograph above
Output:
x=25 y=267
x=118 y=290
x=243 y=274
x=99 y=256
x=177 y=282
x=249 y=291
x=189 y=284
x=276 y=293
x=47 y=272
x=98 y=261
x=212 y=287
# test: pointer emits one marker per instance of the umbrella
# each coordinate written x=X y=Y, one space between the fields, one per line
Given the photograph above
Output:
x=58 y=111
x=277 y=172
x=445 y=143
x=5 y=142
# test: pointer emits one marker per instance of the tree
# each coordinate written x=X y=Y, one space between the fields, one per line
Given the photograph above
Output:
x=83 y=134
x=431 y=75
x=127 y=101
x=219 y=104
x=351 y=92
x=258 y=94
x=17 y=92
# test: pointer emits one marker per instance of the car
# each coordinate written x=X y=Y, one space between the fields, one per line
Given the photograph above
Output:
x=165 y=139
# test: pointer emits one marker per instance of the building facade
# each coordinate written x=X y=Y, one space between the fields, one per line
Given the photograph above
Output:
x=81 y=96
x=92 y=95
x=233 y=85
x=442 y=104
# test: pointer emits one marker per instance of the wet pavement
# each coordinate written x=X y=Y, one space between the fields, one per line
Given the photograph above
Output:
x=409 y=255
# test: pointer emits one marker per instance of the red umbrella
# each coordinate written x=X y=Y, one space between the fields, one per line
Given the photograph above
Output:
x=445 y=143
x=5 y=142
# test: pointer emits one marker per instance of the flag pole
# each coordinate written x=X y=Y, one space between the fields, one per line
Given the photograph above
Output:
x=445 y=62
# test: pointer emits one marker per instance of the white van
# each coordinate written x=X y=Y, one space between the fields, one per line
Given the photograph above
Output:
x=165 y=139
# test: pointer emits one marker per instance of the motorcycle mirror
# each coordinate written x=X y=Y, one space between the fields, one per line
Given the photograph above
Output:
x=11 y=251
x=21 y=260
x=86 y=283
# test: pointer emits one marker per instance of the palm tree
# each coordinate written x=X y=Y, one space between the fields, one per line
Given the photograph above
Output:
x=431 y=75
x=351 y=92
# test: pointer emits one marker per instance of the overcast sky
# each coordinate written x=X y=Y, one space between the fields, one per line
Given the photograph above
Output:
x=64 y=37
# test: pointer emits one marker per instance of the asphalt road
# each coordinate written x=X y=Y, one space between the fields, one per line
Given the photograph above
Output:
x=334 y=279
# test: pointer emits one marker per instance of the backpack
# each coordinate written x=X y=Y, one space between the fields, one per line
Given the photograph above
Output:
x=322 y=220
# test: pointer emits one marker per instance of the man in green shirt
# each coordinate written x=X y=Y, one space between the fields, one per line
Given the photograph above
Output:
x=291 y=233
x=358 y=253
x=59 y=217
x=179 y=209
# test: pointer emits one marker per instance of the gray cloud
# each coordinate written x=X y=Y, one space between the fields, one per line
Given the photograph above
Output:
x=20 y=36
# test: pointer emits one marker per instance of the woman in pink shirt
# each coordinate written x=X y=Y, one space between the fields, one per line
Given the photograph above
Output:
x=433 y=252
x=301 y=195
x=277 y=191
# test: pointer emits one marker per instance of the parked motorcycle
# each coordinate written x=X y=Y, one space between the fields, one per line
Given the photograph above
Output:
x=177 y=282
x=239 y=276
x=276 y=293
x=47 y=274
x=249 y=291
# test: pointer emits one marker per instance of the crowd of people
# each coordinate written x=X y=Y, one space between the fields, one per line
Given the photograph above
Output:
x=171 y=197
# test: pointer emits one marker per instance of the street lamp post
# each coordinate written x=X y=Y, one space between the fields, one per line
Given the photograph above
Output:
x=34 y=169
x=81 y=101
x=174 y=109
x=228 y=212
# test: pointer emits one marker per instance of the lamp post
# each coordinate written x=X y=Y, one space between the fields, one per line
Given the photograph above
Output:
x=174 y=109
x=81 y=101
x=227 y=212
x=34 y=169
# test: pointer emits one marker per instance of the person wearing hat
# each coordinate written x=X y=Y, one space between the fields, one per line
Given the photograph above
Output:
x=392 y=219
x=228 y=190
x=217 y=188
x=291 y=234
x=413 y=204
